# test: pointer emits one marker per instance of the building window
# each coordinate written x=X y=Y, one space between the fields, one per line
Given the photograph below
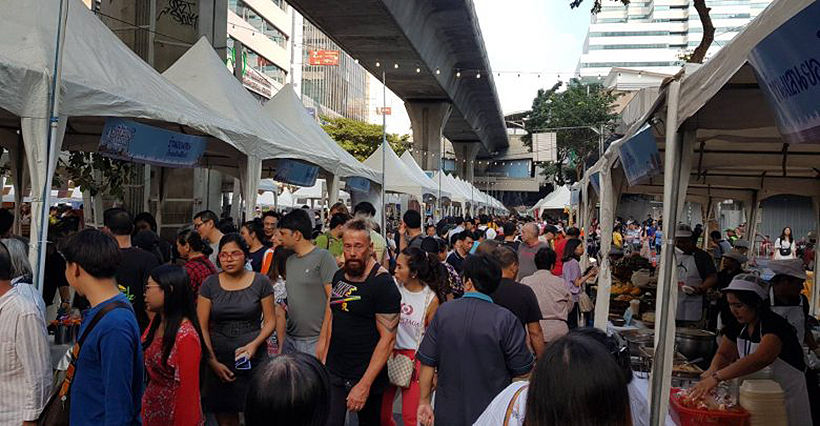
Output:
x=259 y=63
x=628 y=33
x=628 y=64
x=628 y=46
x=258 y=22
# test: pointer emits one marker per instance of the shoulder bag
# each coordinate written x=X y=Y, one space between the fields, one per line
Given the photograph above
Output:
x=57 y=409
x=400 y=367
x=511 y=405
x=585 y=303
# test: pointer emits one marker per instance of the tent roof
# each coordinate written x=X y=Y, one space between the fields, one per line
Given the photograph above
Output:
x=201 y=73
x=555 y=200
x=737 y=143
x=411 y=164
x=316 y=192
x=95 y=66
x=286 y=108
x=398 y=177
x=447 y=183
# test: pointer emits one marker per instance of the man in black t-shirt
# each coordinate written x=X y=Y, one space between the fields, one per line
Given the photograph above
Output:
x=365 y=304
x=518 y=298
x=136 y=264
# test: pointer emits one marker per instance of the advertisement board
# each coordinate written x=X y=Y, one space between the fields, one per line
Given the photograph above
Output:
x=323 y=57
x=295 y=172
x=639 y=156
x=141 y=143
x=787 y=64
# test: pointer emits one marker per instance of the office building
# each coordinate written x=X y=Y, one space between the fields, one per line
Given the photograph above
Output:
x=653 y=35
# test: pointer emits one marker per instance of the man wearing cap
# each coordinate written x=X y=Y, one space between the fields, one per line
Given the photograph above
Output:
x=742 y=247
x=760 y=339
x=696 y=275
x=731 y=266
x=787 y=301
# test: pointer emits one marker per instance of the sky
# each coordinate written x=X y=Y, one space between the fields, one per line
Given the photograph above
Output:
x=529 y=36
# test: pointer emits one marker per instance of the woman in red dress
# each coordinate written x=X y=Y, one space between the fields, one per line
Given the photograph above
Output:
x=173 y=351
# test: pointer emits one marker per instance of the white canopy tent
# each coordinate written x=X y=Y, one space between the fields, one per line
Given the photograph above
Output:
x=286 y=108
x=558 y=199
x=721 y=138
x=201 y=73
x=411 y=164
x=269 y=199
x=89 y=65
x=398 y=177
x=317 y=192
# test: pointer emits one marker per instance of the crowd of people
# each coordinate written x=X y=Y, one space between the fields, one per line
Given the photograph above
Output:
x=289 y=321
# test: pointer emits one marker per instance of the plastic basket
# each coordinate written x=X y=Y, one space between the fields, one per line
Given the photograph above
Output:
x=684 y=416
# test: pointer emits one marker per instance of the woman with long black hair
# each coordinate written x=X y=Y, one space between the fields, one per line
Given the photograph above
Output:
x=574 y=278
x=784 y=247
x=229 y=308
x=173 y=351
x=195 y=251
x=418 y=275
x=253 y=231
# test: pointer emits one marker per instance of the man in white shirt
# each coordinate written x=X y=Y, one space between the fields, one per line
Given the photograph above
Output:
x=24 y=359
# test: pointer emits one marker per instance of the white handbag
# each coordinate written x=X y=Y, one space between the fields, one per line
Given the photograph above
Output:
x=400 y=367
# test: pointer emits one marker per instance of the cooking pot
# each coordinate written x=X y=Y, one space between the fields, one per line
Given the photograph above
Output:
x=695 y=343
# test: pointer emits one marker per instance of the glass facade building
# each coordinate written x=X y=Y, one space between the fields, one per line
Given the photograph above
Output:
x=335 y=90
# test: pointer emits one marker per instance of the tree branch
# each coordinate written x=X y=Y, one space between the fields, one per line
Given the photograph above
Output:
x=708 y=32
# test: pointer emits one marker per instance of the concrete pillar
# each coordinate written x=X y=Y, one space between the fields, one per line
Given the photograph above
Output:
x=427 y=118
x=465 y=159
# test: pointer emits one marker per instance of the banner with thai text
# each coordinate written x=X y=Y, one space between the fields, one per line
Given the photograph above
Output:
x=639 y=156
x=132 y=141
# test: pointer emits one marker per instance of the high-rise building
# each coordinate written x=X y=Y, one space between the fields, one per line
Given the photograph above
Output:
x=338 y=90
x=652 y=35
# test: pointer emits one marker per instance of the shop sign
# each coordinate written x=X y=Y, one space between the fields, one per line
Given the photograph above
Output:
x=357 y=183
x=787 y=64
x=257 y=82
x=295 y=172
x=141 y=143
x=323 y=57
x=384 y=111
x=639 y=156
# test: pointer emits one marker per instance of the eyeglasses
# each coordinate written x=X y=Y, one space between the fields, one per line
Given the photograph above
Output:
x=197 y=225
x=231 y=255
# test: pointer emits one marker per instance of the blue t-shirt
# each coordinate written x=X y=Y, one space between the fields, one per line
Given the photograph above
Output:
x=107 y=388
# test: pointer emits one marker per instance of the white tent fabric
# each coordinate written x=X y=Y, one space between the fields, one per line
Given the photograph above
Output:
x=398 y=177
x=411 y=164
x=267 y=185
x=284 y=200
x=95 y=63
x=316 y=192
x=555 y=200
x=286 y=108
x=201 y=73
x=448 y=184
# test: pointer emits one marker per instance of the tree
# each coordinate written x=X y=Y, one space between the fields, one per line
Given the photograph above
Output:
x=362 y=139
x=582 y=106
x=81 y=168
x=703 y=14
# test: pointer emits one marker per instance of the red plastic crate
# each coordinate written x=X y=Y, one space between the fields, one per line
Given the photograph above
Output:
x=684 y=416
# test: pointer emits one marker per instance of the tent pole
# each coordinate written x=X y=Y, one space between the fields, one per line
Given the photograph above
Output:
x=51 y=145
x=384 y=152
x=659 y=396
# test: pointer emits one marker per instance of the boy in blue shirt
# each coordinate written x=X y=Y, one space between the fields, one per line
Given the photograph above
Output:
x=107 y=387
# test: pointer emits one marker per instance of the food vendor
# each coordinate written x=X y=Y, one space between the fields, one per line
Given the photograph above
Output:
x=760 y=339
x=696 y=274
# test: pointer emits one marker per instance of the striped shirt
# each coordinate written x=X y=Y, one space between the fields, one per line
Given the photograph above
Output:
x=25 y=368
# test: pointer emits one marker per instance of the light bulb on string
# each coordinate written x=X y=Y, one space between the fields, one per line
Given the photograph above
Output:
x=418 y=70
x=378 y=64
x=458 y=74
x=396 y=66
x=478 y=75
x=438 y=71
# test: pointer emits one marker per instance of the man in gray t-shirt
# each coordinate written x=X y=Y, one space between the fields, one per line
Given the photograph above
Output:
x=309 y=274
x=526 y=251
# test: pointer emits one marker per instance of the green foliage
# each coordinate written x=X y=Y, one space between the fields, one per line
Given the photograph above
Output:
x=596 y=4
x=581 y=105
x=112 y=173
x=362 y=139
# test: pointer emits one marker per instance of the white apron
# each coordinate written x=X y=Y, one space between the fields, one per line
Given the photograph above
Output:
x=690 y=307
x=792 y=380
x=793 y=314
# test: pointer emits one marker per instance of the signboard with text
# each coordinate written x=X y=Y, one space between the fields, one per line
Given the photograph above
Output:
x=323 y=57
x=787 y=64
x=639 y=156
x=384 y=111
x=295 y=172
x=545 y=147
x=355 y=183
x=132 y=141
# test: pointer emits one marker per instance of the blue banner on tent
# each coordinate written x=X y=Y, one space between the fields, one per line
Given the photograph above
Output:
x=295 y=172
x=132 y=141
x=787 y=63
x=639 y=156
x=595 y=180
x=355 y=183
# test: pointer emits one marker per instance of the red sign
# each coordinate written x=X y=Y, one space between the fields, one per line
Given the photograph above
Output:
x=383 y=111
x=323 y=57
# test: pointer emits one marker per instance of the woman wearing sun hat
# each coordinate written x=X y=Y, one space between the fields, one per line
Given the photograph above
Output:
x=760 y=339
